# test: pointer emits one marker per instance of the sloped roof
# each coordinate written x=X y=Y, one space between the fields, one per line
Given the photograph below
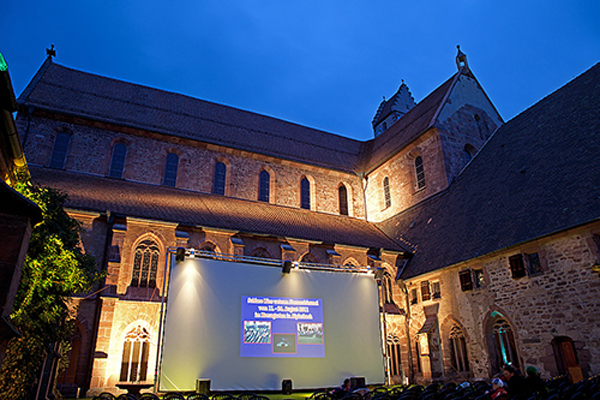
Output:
x=412 y=124
x=537 y=175
x=64 y=90
x=93 y=193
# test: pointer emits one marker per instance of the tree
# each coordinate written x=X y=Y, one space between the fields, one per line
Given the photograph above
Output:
x=55 y=268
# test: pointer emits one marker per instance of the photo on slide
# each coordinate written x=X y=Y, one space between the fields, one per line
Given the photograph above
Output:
x=257 y=332
x=284 y=343
x=310 y=333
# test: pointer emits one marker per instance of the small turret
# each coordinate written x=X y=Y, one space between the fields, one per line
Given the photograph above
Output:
x=393 y=109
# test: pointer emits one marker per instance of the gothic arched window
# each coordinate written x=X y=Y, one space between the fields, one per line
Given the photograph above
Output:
x=134 y=362
x=264 y=183
x=343 y=196
x=59 y=152
x=260 y=252
x=394 y=352
x=117 y=162
x=171 y=170
x=219 y=182
x=145 y=264
x=504 y=343
x=305 y=194
x=419 y=172
x=386 y=192
x=459 y=359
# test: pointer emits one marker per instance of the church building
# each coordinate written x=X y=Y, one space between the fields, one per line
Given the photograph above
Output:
x=488 y=232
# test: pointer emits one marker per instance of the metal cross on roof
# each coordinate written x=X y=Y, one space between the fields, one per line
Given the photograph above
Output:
x=51 y=52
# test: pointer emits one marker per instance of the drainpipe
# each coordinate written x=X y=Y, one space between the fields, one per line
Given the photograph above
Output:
x=364 y=182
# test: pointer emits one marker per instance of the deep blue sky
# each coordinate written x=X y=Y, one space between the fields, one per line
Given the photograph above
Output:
x=323 y=63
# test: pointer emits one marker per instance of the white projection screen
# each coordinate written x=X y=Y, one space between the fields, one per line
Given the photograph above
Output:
x=215 y=330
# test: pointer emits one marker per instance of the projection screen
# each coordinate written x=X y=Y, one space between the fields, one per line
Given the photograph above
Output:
x=248 y=326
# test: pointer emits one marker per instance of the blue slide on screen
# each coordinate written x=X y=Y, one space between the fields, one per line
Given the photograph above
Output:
x=281 y=327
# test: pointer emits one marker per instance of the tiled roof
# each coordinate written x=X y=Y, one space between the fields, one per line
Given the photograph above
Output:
x=65 y=90
x=412 y=124
x=160 y=203
x=537 y=175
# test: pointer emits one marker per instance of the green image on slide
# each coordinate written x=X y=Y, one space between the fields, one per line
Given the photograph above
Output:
x=310 y=333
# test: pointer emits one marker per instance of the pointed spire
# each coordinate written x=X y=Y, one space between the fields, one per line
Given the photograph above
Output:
x=461 y=59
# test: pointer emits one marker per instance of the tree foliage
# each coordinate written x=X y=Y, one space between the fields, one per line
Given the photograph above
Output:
x=55 y=268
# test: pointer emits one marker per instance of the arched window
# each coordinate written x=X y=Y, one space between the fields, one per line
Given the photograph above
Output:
x=386 y=192
x=260 y=253
x=305 y=194
x=264 y=184
x=505 y=351
x=459 y=360
x=343 y=196
x=394 y=352
x=59 y=152
x=134 y=362
x=420 y=172
x=117 y=163
x=171 y=170
x=219 y=182
x=468 y=153
x=388 y=289
x=145 y=265
x=309 y=258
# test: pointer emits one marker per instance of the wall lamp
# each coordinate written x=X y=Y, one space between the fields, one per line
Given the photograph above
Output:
x=180 y=254
x=287 y=267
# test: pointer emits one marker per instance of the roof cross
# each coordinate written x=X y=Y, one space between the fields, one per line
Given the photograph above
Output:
x=51 y=52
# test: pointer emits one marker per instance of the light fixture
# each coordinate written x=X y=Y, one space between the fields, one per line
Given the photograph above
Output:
x=180 y=255
x=287 y=267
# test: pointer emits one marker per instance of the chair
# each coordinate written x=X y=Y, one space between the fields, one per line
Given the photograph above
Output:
x=173 y=396
x=378 y=390
x=126 y=396
x=105 y=396
x=148 y=396
x=321 y=396
x=198 y=396
x=246 y=396
x=395 y=392
x=352 y=396
x=222 y=396
x=260 y=397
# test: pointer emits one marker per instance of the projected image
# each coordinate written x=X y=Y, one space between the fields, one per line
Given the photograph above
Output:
x=257 y=332
x=284 y=343
x=293 y=326
x=310 y=333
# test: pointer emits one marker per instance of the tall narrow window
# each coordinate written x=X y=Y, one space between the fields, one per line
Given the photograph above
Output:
x=117 y=162
x=386 y=192
x=534 y=265
x=420 y=172
x=437 y=292
x=134 y=361
x=394 y=351
x=219 y=182
x=506 y=351
x=305 y=194
x=264 y=183
x=425 y=291
x=145 y=265
x=171 y=170
x=414 y=296
x=458 y=350
x=343 y=195
x=59 y=152
x=517 y=267
x=466 y=280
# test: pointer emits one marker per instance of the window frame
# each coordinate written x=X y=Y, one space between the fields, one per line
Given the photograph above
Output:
x=420 y=173
x=425 y=291
x=264 y=186
x=220 y=176
x=305 y=194
x=60 y=150
x=171 y=167
x=117 y=161
x=387 y=197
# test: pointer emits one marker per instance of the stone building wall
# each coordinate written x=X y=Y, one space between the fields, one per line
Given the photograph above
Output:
x=400 y=170
x=540 y=308
x=90 y=151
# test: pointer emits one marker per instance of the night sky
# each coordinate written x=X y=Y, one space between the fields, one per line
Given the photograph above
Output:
x=324 y=64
